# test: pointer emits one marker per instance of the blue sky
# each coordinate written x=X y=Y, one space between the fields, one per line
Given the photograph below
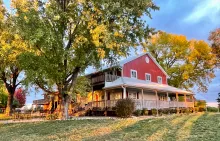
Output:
x=192 y=18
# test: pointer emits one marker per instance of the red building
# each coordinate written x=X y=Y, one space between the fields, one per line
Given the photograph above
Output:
x=140 y=78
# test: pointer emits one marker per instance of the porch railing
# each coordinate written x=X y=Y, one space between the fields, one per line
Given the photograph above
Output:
x=149 y=104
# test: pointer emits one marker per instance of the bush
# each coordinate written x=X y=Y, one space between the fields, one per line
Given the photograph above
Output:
x=212 y=109
x=154 y=112
x=166 y=111
x=145 y=111
x=201 y=109
x=113 y=108
x=173 y=111
x=124 y=107
x=137 y=113
x=196 y=109
x=52 y=116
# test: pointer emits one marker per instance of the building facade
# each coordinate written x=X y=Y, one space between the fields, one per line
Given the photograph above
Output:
x=140 y=78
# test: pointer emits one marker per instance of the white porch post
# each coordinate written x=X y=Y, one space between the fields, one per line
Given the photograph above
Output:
x=177 y=99
x=193 y=103
x=105 y=99
x=124 y=92
x=92 y=95
x=168 y=99
x=156 y=102
x=142 y=96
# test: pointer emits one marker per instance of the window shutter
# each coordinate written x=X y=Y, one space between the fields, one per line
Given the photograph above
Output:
x=137 y=95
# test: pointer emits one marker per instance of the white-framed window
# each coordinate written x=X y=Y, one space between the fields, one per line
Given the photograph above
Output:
x=133 y=74
x=147 y=60
x=159 y=79
x=148 y=77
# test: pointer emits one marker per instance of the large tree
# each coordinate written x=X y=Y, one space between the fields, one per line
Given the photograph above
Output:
x=215 y=41
x=11 y=45
x=189 y=63
x=67 y=36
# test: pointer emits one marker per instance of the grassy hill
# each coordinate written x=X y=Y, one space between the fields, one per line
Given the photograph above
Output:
x=194 y=127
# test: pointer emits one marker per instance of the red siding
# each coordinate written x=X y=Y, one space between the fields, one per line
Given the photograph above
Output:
x=142 y=67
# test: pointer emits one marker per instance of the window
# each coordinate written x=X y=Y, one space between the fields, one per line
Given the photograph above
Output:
x=132 y=95
x=133 y=74
x=148 y=77
x=159 y=79
x=147 y=60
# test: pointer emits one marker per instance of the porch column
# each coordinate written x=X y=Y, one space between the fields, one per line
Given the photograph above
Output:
x=92 y=95
x=105 y=99
x=193 y=100
x=185 y=100
x=142 y=96
x=156 y=102
x=168 y=100
x=177 y=99
x=124 y=92
x=167 y=96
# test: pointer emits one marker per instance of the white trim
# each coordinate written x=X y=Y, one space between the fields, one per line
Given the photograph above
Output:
x=146 y=77
x=154 y=60
x=147 y=60
x=131 y=73
x=141 y=84
x=161 y=80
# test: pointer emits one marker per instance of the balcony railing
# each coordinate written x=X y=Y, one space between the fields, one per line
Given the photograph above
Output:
x=104 y=78
x=149 y=104
x=111 y=78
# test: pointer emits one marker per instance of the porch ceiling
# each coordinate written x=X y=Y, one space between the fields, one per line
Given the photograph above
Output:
x=141 y=84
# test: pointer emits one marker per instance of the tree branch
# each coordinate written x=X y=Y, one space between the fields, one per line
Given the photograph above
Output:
x=41 y=86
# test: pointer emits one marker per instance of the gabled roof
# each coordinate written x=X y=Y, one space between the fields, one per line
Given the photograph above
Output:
x=132 y=82
x=129 y=59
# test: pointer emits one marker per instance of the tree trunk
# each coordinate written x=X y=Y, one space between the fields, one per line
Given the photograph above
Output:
x=9 y=104
x=64 y=107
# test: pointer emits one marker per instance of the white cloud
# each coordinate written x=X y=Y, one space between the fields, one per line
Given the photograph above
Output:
x=205 y=9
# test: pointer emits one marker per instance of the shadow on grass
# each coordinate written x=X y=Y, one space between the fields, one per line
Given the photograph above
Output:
x=149 y=129
x=51 y=130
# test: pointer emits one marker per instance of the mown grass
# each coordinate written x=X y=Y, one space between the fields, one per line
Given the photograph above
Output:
x=194 y=127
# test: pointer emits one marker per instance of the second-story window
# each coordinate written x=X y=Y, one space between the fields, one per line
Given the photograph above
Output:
x=159 y=79
x=148 y=77
x=133 y=74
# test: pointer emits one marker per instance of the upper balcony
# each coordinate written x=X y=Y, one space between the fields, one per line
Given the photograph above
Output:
x=104 y=78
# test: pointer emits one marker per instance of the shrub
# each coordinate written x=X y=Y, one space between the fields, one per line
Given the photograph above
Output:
x=52 y=116
x=145 y=111
x=137 y=113
x=173 y=111
x=212 y=109
x=154 y=112
x=191 y=110
x=124 y=107
x=201 y=109
x=196 y=109
x=165 y=111
x=113 y=108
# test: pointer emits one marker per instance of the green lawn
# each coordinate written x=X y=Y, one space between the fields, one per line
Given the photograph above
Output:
x=182 y=127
